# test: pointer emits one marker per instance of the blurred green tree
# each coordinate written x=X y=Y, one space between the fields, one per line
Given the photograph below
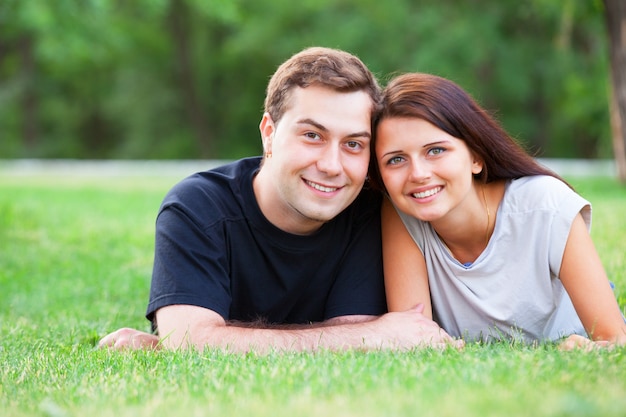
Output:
x=186 y=78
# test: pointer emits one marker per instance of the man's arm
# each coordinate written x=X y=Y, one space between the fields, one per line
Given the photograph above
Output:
x=184 y=327
x=127 y=338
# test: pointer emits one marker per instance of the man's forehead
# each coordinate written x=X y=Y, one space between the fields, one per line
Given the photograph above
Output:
x=296 y=93
x=316 y=102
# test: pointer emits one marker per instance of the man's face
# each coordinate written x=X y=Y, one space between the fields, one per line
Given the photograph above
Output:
x=319 y=157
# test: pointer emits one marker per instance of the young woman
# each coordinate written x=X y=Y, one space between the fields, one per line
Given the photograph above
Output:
x=497 y=242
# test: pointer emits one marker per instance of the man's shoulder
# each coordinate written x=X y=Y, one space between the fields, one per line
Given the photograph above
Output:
x=366 y=206
x=229 y=175
x=236 y=168
x=368 y=200
x=221 y=188
x=222 y=174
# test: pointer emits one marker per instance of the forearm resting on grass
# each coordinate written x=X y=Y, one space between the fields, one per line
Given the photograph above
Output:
x=188 y=326
x=183 y=327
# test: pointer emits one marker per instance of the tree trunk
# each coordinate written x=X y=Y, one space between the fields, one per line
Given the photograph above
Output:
x=615 y=14
x=178 y=21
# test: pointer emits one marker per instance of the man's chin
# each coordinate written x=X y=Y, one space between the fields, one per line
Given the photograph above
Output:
x=325 y=215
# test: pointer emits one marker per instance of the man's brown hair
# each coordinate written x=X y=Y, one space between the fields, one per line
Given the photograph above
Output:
x=326 y=67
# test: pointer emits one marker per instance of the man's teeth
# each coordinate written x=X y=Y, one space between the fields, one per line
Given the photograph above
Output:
x=321 y=187
x=427 y=193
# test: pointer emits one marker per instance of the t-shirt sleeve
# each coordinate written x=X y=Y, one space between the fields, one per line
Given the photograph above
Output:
x=567 y=206
x=359 y=287
x=190 y=265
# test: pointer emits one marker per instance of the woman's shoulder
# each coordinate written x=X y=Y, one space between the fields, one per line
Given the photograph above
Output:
x=537 y=191
x=542 y=181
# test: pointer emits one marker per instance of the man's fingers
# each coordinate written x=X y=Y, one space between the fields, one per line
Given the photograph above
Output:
x=129 y=339
x=115 y=339
x=107 y=341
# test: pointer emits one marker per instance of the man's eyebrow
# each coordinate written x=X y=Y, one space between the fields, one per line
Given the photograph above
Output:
x=324 y=129
x=363 y=134
x=312 y=123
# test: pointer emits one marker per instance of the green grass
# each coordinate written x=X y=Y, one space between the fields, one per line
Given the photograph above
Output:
x=75 y=263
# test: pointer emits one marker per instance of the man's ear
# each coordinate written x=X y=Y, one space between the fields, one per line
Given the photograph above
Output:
x=267 y=129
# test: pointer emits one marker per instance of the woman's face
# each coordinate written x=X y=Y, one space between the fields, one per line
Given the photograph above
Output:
x=427 y=172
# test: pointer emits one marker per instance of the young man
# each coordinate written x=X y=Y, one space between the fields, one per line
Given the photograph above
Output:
x=283 y=252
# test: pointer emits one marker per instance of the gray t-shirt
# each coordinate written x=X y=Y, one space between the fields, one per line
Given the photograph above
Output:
x=512 y=290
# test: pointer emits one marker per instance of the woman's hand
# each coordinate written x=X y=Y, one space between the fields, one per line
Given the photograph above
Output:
x=576 y=341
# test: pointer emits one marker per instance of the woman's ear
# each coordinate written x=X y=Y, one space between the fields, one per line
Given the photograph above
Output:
x=477 y=165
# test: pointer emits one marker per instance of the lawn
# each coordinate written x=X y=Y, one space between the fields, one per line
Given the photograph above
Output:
x=75 y=263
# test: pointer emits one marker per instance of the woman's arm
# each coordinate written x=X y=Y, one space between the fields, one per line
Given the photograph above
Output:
x=585 y=280
x=406 y=278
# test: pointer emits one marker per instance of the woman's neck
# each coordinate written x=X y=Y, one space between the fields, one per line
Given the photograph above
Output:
x=467 y=234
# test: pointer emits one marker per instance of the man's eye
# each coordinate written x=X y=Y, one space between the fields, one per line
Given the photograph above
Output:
x=312 y=135
x=353 y=144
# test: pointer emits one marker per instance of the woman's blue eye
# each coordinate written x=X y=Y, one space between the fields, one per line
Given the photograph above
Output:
x=436 y=151
x=395 y=160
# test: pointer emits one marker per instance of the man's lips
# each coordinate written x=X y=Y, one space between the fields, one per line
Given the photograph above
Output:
x=320 y=187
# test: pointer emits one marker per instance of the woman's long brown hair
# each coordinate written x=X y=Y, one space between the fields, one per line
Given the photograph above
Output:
x=446 y=105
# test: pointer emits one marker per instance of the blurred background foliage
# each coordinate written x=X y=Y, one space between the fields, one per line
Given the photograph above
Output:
x=165 y=79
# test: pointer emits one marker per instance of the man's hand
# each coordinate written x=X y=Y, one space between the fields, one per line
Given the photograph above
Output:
x=129 y=339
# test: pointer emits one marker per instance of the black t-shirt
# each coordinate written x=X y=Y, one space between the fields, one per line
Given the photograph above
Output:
x=215 y=249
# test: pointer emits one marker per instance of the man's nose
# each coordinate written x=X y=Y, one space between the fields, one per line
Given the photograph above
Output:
x=330 y=161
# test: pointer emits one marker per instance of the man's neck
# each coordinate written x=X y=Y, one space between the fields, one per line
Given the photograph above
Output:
x=276 y=212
